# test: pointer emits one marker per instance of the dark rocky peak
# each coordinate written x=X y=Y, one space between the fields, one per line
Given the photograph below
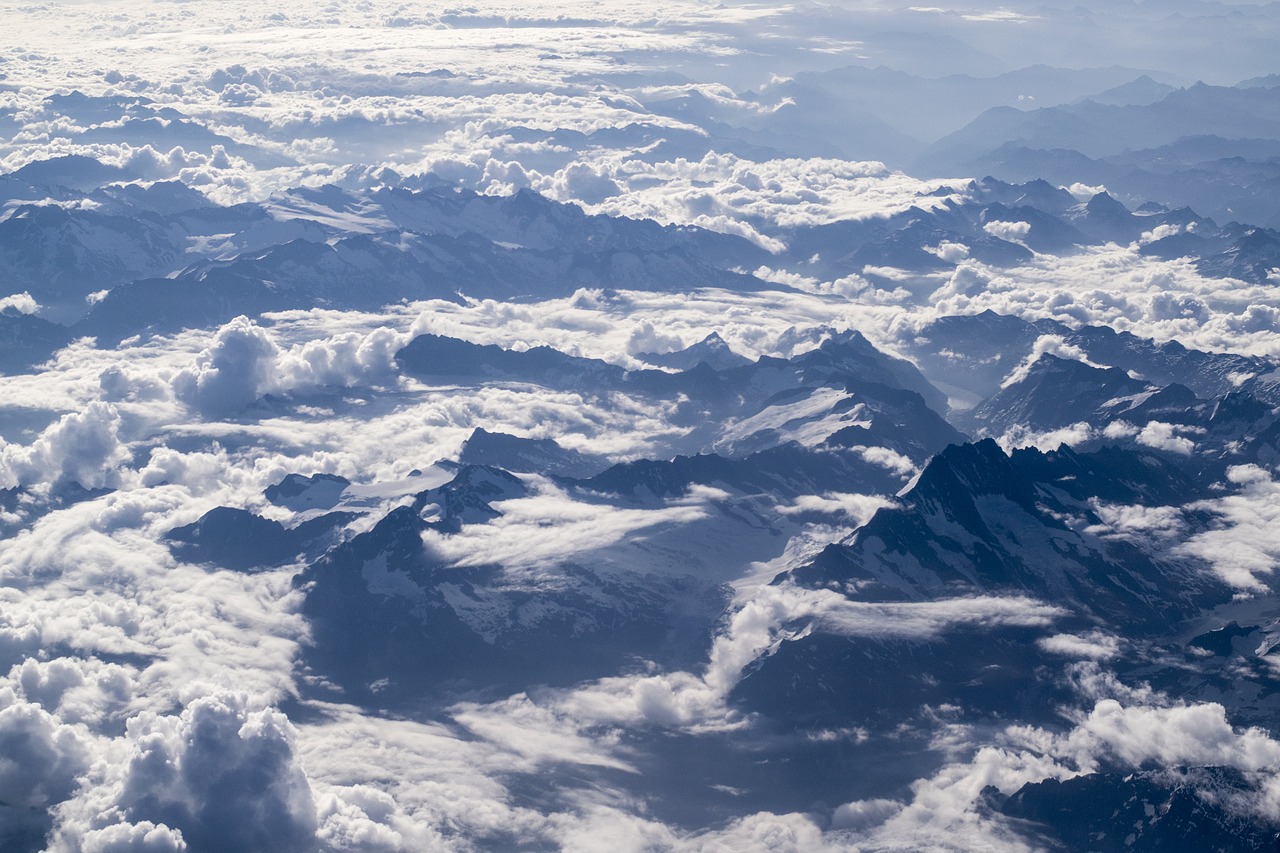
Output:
x=435 y=355
x=1150 y=811
x=1037 y=193
x=299 y=493
x=963 y=471
x=850 y=357
x=237 y=539
x=27 y=340
x=527 y=455
x=165 y=198
x=1106 y=219
x=467 y=497
x=73 y=171
x=977 y=520
x=1251 y=257
x=712 y=351
x=1111 y=474
x=1239 y=409
x=1106 y=206
x=1043 y=195
x=1058 y=392
x=1171 y=404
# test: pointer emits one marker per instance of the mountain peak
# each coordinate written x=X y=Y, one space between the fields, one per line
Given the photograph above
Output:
x=712 y=351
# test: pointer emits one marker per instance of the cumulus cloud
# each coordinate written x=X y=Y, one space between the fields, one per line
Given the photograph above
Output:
x=78 y=690
x=951 y=252
x=21 y=303
x=723 y=192
x=144 y=837
x=224 y=775
x=243 y=362
x=1014 y=232
x=1022 y=436
x=226 y=377
x=582 y=182
x=81 y=447
x=41 y=758
x=1163 y=436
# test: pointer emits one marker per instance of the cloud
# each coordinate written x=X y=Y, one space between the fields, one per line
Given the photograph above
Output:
x=237 y=630
x=1158 y=524
x=1197 y=735
x=1054 y=345
x=581 y=182
x=857 y=508
x=22 y=303
x=78 y=690
x=41 y=758
x=143 y=837
x=723 y=192
x=226 y=377
x=81 y=447
x=771 y=616
x=1022 y=436
x=226 y=776
x=1094 y=645
x=551 y=527
x=886 y=458
x=1164 y=436
x=1014 y=232
x=243 y=362
x=1111 y=735
x=1243 y=549
x=950 y=252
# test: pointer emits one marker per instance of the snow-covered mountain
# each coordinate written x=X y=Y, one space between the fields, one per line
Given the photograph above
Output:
x=565 y=428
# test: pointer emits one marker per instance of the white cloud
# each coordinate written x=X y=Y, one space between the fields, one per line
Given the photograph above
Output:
x=1054 y=345
x=1131 y=736
x=1093 y=645
x=1244 y=550
x=1163 y=436
x=1021 y=436
x=226 y=377
x=858 y=509
x=771 y=616
x=224 y=775
x=550 y=527
x=951 y=252
x=243 y=362
x=23 y=303
x=43 y=758
x=143 y=837
x=1158 y=523
x=1014 y=232
x=1084 y=192
x=83 y=447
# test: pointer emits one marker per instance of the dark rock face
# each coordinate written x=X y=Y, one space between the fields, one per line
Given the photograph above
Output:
x=1188 y=809
x=979 y=520
x=238 y=539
